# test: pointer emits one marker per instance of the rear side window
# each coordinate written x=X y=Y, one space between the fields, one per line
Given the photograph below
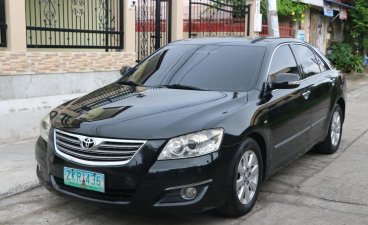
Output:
x=308 y=61
x=326 y=62
x=322 y=65
x=283 y=61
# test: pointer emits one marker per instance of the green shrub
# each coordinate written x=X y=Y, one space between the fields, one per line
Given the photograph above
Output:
x=356 y=64
x=342 y=58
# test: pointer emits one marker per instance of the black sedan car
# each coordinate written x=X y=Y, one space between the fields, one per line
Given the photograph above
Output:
x=197 y=125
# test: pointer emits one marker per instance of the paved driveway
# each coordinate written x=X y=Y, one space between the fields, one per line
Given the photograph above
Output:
x=315 y=189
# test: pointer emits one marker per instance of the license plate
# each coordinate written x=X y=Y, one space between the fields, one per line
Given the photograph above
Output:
x=84 y=179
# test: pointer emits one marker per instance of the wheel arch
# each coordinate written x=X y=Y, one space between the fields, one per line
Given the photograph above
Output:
x=341 y=103
x=263 y=146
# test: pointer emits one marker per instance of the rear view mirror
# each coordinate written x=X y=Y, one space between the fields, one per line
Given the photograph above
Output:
x=124 y=70
x=286 y=81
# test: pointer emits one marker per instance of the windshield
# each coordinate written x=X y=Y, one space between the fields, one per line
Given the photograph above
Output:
x=205 y=67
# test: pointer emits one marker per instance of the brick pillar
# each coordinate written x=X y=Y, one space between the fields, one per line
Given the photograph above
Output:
x=16 y=20
x=177 y=20
x=252 y=4
x=129 y=26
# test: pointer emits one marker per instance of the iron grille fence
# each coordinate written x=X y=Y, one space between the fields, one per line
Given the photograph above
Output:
x=152 y=25
x=75 y=24
x=217 y=18
x=3 y=25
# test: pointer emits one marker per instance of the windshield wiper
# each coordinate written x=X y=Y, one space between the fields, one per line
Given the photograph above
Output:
x=129 y=82
x=181 y=86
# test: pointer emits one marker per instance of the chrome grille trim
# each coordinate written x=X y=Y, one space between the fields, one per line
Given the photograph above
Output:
x=106 y=152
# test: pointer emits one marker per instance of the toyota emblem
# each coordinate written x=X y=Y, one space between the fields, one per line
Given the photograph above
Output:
x=88 y=143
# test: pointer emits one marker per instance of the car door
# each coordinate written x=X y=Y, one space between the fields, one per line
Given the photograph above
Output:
x=321 y=79
x=289 y=115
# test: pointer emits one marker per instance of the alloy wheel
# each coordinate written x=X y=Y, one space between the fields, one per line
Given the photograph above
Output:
x=247 y=177
x=335 y=129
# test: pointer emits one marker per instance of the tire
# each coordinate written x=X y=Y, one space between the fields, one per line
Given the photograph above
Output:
x=333 y=138
x=238 y=206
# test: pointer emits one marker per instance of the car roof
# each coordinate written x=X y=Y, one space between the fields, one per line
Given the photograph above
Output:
x=239 y=41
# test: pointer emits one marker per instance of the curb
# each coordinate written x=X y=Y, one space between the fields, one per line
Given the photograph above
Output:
x=19 y=189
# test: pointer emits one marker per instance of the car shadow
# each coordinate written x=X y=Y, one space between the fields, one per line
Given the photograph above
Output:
x=286 y=181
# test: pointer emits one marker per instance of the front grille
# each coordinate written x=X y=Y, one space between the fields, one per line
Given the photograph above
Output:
x=95 y=151
x=109 y=195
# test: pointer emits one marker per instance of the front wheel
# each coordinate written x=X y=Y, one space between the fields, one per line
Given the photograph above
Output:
x=333 y=139
x=245 y=182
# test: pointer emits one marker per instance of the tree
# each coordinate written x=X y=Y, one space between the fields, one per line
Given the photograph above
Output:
x=290 y=9
x=359 y=25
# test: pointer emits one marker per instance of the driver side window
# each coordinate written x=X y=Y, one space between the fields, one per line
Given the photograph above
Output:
x=283 y=61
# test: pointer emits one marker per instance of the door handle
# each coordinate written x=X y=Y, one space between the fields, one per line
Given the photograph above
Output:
x=306 y=94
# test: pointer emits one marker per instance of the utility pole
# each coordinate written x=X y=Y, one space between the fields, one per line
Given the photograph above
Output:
x=272 y=19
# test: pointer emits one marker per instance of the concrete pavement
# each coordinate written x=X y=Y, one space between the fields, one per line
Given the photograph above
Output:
x=315 y=189
x=348 y=173
x=17 y=168
x=17 y=163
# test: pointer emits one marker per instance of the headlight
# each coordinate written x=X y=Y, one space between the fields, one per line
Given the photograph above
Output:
x=45 y=127
x=192 y=145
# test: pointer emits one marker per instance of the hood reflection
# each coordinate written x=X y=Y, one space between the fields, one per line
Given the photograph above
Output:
x=91 y=107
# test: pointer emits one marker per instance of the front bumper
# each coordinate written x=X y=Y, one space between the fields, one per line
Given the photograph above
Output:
x=145 y=184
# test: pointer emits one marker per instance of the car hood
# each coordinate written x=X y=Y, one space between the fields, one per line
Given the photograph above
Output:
x=120 y=111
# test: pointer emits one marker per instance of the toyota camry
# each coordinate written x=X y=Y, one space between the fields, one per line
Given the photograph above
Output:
x=197 y=125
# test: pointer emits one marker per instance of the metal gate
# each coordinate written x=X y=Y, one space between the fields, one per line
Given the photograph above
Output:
x=216 y=18
x=3 y=25
x=75 y=24
x=153 y=26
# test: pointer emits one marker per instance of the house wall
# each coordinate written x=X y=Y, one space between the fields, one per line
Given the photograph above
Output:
x=316 y=27
x=20 y=64
x=17 y=59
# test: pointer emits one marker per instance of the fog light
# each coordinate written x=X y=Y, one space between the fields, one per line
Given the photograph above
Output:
x=188 y=193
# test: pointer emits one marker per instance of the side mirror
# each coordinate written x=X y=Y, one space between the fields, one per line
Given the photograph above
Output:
x=286 y=81
x=124 y=70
